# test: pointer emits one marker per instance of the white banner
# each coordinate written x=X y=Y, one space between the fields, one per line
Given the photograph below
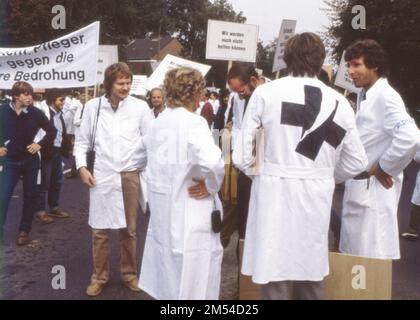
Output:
x=287 y=31
x=343 y=79
x=138 y=85
x=69 y=61
x=231 y=41
x=107 y=55
x=171 y=62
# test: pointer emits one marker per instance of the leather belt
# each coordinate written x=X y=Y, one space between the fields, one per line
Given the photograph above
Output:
x=364 y=175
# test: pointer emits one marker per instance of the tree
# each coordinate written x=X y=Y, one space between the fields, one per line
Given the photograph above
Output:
x=395 y=25
x=265 y=57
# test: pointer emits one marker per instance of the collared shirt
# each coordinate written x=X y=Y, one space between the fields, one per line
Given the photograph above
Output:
x=58 y=124
x=118 y=134
x=19 y=131
x=164 y=110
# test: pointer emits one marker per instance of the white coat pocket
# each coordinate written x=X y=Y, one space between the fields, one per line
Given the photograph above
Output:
x=199 y=215
x=357 y=193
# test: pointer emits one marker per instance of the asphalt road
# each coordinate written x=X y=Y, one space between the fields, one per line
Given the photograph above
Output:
x=27 y=271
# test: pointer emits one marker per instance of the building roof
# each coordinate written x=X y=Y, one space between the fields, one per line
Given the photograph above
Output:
x=143 y=49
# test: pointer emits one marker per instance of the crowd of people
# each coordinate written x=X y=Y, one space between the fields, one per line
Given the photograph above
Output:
x=291 y=141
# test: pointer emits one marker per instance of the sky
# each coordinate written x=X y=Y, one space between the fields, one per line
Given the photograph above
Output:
x=268 y=14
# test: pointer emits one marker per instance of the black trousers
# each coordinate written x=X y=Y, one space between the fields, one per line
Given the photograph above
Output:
x=243 y=195
x=415 y=217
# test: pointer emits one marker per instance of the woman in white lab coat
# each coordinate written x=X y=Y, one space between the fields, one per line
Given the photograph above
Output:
x=183 y=256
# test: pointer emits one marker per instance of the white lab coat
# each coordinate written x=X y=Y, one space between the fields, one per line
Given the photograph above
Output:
x=238 y=106
x=77 y=120
x=182 y=256
x=119 y=148
x=291 y=195
x=369 y=218
x=69 y=110
x=161 y=113
x=41 y=105
x=416 y=194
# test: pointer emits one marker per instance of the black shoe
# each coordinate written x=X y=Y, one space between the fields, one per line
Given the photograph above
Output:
x=411 y=236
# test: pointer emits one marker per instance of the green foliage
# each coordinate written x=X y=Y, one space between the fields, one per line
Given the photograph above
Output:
x=265 y=57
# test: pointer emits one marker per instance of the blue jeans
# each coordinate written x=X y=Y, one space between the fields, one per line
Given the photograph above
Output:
x=12 y=171
x=51 y=181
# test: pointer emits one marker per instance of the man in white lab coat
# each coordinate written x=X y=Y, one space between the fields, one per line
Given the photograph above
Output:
x=242 y=79
x=390 y=138
x=413 y=231
x=157 y=102
x=115 y=125
x=72 y=104
x=309 y=141
x=77 y=121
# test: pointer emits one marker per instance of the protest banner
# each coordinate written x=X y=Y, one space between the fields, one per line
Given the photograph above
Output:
x=107 y=55
x=343 y=79
x=171 y=62
x=138 y=85
x=62 y=63
x=287 y=30
x=231 y=41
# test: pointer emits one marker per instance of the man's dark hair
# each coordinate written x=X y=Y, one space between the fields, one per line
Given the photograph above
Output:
x=52 y=94
x=242 y=71
x=304 y=54
x=19 y=88
x=373 y=54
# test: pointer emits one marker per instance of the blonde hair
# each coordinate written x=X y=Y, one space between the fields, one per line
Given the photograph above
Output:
x=182 y=86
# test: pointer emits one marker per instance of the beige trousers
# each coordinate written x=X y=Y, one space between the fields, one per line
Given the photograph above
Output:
x=101 y=246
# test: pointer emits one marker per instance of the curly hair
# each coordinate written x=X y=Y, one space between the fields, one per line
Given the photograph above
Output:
x=374 y=55
x=182 y=86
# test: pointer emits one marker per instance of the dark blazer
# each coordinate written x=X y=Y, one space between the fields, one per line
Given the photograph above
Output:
x=48 y=151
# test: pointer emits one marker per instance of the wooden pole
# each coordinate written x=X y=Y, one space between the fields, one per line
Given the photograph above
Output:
x=277 y=74
x=228 y=69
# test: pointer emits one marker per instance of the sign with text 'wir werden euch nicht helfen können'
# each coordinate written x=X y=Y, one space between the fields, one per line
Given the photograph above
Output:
x=231 y=41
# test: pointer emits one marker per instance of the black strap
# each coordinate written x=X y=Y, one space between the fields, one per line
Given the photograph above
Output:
x=63 y=125
x=364 y=175
x=83 y=110
x=245 y=106
x=95 y=128
x=230 y=114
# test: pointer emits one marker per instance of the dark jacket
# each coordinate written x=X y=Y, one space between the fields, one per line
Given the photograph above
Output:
x=18 y=132
x=48 y=152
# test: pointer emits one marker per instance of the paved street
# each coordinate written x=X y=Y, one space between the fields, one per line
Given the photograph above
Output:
x=27 y=273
